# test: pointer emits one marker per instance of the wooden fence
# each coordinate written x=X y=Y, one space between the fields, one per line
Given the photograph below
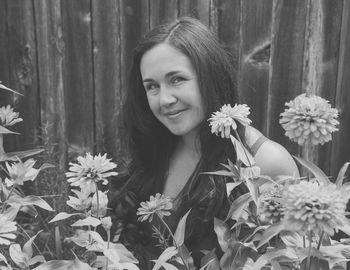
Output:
x=70 y=58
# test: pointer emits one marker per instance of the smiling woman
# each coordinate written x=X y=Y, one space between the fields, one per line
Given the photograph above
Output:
x=180 y=75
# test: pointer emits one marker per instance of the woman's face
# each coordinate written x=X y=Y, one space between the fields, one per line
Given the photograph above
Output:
x=172 y=89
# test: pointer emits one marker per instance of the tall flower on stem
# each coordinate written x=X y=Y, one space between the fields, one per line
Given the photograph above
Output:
x=222 y=121
x=89 y=171
x=311 y=207
x=309 y=118
x=158 y=204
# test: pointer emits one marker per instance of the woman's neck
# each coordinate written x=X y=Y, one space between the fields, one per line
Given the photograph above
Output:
x=190 y=143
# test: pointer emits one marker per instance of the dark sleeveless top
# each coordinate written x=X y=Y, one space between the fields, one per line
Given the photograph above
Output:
x=204 y=237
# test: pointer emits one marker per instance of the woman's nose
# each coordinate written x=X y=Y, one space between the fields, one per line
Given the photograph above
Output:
x=166 y=97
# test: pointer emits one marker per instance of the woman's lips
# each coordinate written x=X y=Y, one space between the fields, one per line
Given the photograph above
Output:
x=174 y=114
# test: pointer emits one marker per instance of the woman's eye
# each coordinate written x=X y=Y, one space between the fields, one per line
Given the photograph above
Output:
x=150 y=87
x=177 y=80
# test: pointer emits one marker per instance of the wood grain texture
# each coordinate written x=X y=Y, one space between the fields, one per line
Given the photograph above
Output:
x=50 y=46
x=286 y=72
x=255 y=58
x=162 y=11
x=320 y=63
x=107 y=77
x=341 y=146
x=78 y=79
x=199 y=9
x=23 y=72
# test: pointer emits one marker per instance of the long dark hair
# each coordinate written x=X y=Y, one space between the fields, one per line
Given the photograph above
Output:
x=151 y=144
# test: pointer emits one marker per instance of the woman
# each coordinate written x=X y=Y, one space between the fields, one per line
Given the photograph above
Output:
x=180 y=75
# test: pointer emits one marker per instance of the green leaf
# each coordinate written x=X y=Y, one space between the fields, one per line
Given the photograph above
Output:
x=180 y=230
x=316 y=171
x=270 y=232
x=238 y=206
x=30 y=200
x=341 y=174
x=63 y=215
x=9 y=89
x=14 y=156
x=166 y=255
x=223 y=233
x=89 y=221
x=253 y=190
x=27 y=248
x=210 y=261
x=221 y=173
x=64 y=265
x=165 y=265
x=269 y=256
x=4 y=130
x=242 y=153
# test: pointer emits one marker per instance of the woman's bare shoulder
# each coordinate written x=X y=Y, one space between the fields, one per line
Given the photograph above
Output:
x=274 y=160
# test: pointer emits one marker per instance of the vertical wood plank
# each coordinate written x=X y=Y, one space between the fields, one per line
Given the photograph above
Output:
x=341 y=146
x=253 y=79
x=287 y=49
x=162 y=11
x=78 y=79
x=107 y=77
x=134 y=24
x=199 y=9
x=23 y=70
x=228 y=28
x=5 y=97
x=320 y=63
x=50 y=45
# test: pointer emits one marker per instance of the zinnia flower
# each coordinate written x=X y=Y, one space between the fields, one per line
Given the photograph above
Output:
x=81 y=202
x=270 y=207
x=8 y=117
x=159 y=204
x=20 y=172
x=222 y=121
x=7 y=230
x=89 y=171
x=313 y=207
x=309 y=118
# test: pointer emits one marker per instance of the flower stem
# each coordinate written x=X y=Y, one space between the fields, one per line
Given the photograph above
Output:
x=172 y=235
x=97 y=199
x=308 y=262
x=320 y=241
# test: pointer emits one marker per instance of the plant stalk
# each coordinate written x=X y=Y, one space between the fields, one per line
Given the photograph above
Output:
x=172 y=235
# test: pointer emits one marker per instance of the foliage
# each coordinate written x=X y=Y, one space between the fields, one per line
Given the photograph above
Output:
x=87 y=201
x=285 y=222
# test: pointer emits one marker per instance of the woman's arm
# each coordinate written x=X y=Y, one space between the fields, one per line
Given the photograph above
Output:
x=274 y=160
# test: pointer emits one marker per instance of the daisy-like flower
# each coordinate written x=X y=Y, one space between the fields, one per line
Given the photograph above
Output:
x=7 y=230
x=81 y=202
x=89 y=170
x=222 y=121
x=158 y=204
x=313 y=207
x=20 y=172
x=8 y=117
x=270 y=207
x=102 y=204
x=309 y=118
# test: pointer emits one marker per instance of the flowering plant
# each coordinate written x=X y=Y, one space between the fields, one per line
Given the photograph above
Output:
x=92 y=225
x=285 y=222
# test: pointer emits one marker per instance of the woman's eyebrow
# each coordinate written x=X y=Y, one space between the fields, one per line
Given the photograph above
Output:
x=169 y=74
